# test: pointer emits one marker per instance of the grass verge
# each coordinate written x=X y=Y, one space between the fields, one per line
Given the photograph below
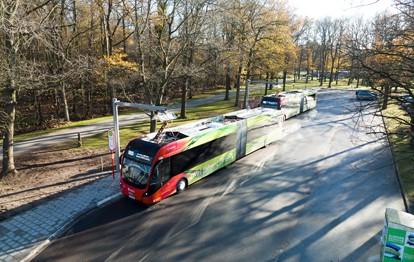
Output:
x=402 y=150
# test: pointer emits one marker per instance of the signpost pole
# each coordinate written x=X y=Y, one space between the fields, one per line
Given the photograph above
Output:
x=113 y=164
x=111 y=145
x=116 y=130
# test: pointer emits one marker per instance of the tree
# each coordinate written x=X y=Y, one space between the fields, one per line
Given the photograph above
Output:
x=21 y=23
x=194 y=16
x=301 y=33
x=338 y=28
x=325 y=37
x=357 y=39
x=386 y=56
x=9 y=20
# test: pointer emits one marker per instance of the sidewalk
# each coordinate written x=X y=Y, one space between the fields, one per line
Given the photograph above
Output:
x=25 y=234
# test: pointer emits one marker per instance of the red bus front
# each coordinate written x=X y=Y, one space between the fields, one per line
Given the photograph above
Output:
x=145 y=174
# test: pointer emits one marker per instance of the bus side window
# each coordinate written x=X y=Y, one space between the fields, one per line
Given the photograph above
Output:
x=163 y=170
x=159 y=176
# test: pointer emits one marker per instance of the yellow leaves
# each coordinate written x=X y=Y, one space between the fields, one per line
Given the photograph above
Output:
x=119 y=60
x=391 y=58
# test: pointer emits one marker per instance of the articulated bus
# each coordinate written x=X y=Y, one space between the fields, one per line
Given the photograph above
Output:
x=157 y=165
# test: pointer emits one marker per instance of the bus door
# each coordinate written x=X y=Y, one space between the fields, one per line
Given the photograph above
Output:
x=241 y=138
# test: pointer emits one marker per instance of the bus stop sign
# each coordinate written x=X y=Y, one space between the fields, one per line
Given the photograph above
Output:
x=111 y=140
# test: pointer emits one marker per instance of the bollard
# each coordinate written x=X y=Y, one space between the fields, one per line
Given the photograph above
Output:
x=79 y=140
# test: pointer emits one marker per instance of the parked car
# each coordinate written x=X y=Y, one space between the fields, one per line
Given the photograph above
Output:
x=366 y=95
x=407 y=103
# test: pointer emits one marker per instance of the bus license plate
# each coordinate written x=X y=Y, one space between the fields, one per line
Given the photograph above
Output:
x=131 y=196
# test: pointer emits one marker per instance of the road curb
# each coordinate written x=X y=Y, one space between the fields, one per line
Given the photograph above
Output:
x=36 y=250
x=109 y=199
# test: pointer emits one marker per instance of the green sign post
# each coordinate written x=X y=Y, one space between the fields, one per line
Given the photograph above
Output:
x=397 y=242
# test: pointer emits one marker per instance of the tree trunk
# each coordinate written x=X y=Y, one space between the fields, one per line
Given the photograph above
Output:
x=267 y=85
x=65 y=103
x=228 y=85
x=57 y=102
x=331 y=76
x=190 y=92
x=38 y=105
x=412 y=129
x=10 y=103
x=249 y=63
x=107 y=37
x=386 y=94
x=75 y=100
x=333 y=59
x=337 y=67
x=185 y=85
x=10 y=94
x=237 y=103
x=284 y=79
x=8 y=140
x=322 y=66
x=272 y=76
x=321 y=77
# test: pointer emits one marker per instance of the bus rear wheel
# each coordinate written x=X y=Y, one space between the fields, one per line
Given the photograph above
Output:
x=181 y=185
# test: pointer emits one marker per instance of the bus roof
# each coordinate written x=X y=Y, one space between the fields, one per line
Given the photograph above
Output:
x=192 y=129
x=188 y=130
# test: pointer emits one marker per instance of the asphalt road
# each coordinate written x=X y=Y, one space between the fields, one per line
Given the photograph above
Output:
x=317 y=195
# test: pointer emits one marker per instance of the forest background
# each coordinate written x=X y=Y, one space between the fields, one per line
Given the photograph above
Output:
x=64 y=60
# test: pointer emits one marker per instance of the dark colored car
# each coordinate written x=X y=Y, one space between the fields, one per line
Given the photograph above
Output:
x=366 y=95
x=273 y=101
x=407 y=104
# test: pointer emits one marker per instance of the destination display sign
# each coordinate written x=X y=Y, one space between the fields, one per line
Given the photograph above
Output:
x=139 y=156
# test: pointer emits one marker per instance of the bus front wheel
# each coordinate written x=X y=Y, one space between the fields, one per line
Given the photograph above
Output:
x=181 y=185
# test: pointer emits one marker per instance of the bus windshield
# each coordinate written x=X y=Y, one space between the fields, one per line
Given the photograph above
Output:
x=135 y=173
